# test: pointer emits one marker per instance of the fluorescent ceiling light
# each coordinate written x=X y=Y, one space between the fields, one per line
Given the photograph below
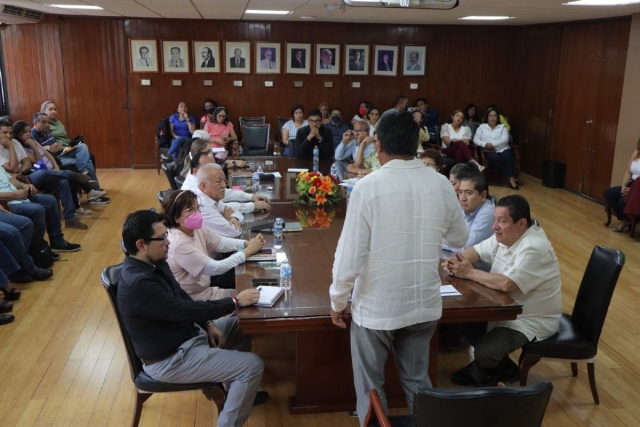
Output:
x=307 y=17
x=76 y=6
x=268 y=12
x=601 y=2
x=489 y=18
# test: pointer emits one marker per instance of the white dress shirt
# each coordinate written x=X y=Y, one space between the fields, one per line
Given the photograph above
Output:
x=238 y=200
x=389 y=249
x=213 y=215
x=498 y=137
x=447 y=130
x=532 y=264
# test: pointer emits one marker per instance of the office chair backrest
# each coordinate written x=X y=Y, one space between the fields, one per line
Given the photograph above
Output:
x=170 y=172
x=252 y=121
x=110 y=278
x=256 y=137
x=483 y=407
x=595 y=293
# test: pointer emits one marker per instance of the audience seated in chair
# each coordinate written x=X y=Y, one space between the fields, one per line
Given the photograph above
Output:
x=402 y=103
x=524 y=265
x=220 y=128
x=181 y=125
x=347 y=150
x=363 y=110
x=209 y=107
x=423 y=138
x=494 y=139
x=218 y=217
x=324 y=109
x=337 y=127
x=455 y=139
x=290 y=129
x=365 y=164
x=314 y=135
x=180 y=340
x=190 y=245
x=373 y=116
x=432 y=159
x=460 y=171
x=616 y=197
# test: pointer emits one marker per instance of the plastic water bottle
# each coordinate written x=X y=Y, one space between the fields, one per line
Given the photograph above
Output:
x=334 y=171
x=277 y=242
x=278 y=225
x=259 y=169
x=349 y=190
x=255 y=181
x=285 y=275
x=316 y=158
x=240 y=151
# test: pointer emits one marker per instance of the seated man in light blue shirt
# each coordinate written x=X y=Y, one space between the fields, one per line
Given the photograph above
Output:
x=351 y=139
x=478 y=210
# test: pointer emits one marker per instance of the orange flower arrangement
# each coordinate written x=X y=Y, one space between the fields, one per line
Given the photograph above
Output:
x=315 y=218
x=315 y=189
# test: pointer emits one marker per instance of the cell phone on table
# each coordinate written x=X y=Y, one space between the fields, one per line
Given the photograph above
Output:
x=259 y=281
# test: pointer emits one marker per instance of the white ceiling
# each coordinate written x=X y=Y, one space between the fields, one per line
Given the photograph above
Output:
x=525 y=11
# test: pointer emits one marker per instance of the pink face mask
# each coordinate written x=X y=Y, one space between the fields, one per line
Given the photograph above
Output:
x=194 y=221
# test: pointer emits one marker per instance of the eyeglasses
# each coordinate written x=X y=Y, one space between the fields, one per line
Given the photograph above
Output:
x=314 y=121
x=431 y=165
x=162 y=239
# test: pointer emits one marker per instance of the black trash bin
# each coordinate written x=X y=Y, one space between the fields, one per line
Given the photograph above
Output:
x=553 y=173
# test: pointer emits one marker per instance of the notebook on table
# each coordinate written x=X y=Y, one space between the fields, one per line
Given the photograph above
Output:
x=267 y=227
x=269 y=295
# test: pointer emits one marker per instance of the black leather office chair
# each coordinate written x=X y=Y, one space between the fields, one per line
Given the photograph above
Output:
x=256 y=140
x=170 y=171
x=281 y=122
x=480 y=407
x=145 y=385
x=179 y=181
x=162 y=195
x=579 y=333
x=535 y=222
x=244 y=121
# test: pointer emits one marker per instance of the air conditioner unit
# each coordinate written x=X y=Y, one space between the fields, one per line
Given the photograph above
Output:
x=19 y=15
x=409 y=4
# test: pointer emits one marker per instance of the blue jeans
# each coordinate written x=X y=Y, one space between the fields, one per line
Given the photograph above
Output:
x=176 y=144
x=504 y=162
x=8 y=265
x=15 y=234
x=42 y=210
x=80 y=157
x=50 y=181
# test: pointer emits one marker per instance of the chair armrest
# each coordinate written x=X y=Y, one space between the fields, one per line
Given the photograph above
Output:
x=376 y=411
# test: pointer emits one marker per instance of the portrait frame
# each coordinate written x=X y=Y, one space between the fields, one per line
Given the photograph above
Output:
x=307 y=56
x=135 y=56
x=349 y=59
x=379 y=51
x=229 y=49
x=260 y=47
x=335 y=60
x=407 y=50
x=167 y=46
x=198 y=45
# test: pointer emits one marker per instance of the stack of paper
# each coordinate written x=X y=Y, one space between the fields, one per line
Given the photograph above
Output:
x=269 y=295
x=449 y=291
x=297 y=170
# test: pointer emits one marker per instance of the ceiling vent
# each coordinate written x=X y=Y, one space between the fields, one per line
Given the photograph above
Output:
x=19 y=15
x=409 y=4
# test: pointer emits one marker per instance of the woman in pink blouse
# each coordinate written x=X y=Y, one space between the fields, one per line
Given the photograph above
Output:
x=220 y=128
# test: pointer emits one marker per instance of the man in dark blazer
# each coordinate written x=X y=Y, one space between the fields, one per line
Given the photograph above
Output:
x=208 y=61
x=316 y=134
x=237 y=61
x=297 y=61
x=385 y=63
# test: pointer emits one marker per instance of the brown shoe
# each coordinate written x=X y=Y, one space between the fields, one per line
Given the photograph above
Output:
x=80 y=178
x=76 y=224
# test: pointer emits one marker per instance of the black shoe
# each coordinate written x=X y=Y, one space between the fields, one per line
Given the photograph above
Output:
x=7 y=318
x=42 y=273
x=56 y=257
x=463 y=376
x=20 y=278
x=505 y=374
x=514 y=187
x=260 y=398
x=66 y=247
x=6 y=306
x=12 y=295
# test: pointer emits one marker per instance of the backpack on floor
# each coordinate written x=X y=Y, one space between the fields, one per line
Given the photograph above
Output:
x=42 y=255
x=163 y=132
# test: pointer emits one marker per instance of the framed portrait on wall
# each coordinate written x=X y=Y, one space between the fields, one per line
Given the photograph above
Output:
x=268 y=58
x=237 y=57
x=356 y=60
x=206 y=57
x=298 y=58
x=327 y=59
x=175 y=56
x=144 y=55
x=385 y=60
x=414 y=60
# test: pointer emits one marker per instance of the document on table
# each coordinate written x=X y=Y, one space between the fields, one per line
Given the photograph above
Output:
x=449 y=291
x=348 y=182
x=269 y=295
x=297 y=170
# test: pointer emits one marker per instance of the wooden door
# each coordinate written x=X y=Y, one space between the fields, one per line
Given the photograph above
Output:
x=95 y=70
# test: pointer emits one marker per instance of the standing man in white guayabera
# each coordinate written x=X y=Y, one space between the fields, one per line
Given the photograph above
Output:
x=388 y=257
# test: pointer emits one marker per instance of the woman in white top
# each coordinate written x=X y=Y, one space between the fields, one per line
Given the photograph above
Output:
x=290 y=129
x=372 y=117
x=455 y=139
x=493 y=137
x=190 y=245
x=362 y=113
x=616 y=196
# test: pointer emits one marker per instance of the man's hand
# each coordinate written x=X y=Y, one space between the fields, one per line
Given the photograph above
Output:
x=261 y=206
x=459 y=266
x=21 y=194
x=6 y=143
x=228 y=211
x=368 y=140
x=55 y=148
x=337 y=317
x=234 y=221
x=260 y=198
x=33 y=189
x=248 y=297
x=216 y=336
x=489 y=147
x=625 y=190
x=254 y=245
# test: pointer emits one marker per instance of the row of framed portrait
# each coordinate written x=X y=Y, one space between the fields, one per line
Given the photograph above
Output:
x=268 y=58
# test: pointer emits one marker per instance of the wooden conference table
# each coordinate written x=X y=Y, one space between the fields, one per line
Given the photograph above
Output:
x=323 y=373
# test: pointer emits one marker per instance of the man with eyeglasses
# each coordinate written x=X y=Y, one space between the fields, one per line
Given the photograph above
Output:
x=351 y=140
x=316 y=134
x=180 y=340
